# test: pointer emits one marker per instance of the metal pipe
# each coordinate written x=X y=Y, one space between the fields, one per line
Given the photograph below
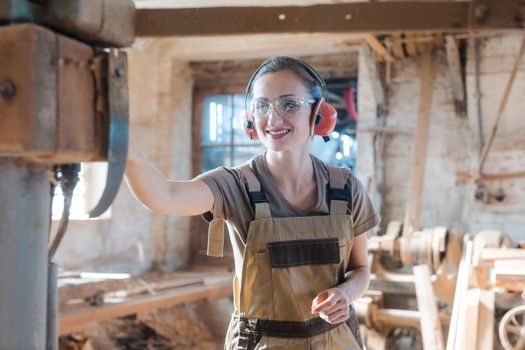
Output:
x=52 y=308
x=24 y=221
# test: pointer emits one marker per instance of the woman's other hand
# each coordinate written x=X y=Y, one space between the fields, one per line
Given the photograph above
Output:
x=332 y=305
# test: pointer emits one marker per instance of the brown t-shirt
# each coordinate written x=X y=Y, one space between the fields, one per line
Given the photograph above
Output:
x=232 y=202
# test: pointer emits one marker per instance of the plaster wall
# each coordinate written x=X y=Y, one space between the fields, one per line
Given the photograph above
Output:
x=448 y=199
x=507 y=154
x=135 y=239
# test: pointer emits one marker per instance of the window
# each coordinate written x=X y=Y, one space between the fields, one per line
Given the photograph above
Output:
x=223 y=140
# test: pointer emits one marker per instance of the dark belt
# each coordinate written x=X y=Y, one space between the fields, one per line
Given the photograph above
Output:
x=285 y=329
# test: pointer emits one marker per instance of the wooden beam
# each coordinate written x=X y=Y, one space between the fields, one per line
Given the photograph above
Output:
x=458 y=318
x=403 y=318
x=491 y=254
x=374 y=75
x=426 y=303
x=410 y=44
x=397 y=45
x=486 y=317
x=477 y=330
x=468 y=336
x=378 y=48
x=76 y=321
x=417 y=170
x=455 y=71
x=465 y=175
x=359 y=17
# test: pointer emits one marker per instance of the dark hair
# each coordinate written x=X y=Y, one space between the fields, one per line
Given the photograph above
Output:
x=312 y=80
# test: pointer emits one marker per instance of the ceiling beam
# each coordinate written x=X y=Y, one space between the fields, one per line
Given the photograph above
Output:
x=361 y=17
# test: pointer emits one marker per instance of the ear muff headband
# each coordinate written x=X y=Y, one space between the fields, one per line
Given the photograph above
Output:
x=325 y=120
x=313 y=73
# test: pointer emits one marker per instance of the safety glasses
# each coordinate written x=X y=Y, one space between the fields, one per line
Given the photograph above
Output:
x=286 y=106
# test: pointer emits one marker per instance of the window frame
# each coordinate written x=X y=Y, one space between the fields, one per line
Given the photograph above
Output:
x=198 y=104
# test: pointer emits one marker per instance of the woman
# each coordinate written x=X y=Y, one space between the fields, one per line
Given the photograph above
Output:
x=297 y=226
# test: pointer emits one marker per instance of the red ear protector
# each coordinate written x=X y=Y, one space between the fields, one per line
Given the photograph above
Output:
x=325 y=119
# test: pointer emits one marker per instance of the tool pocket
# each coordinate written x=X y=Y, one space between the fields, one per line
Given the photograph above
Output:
x=299 y=270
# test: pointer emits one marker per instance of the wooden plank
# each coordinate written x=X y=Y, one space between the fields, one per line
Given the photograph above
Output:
x=358 y=17
x=75 y=321
x=486 y=316
x=491 y=254
x=410 y=44
x=509 y=274
x=403 y=318
x=422 y=43
x=477 y=330
x=417 y=170
x=458 y=314
x=373 y=72
x=465 y=175
x=378 y=48
x=467 y=332
x=454 y=69
x=429 y=317
x=397 y=46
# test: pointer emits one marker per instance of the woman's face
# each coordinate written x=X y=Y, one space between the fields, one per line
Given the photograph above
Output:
x=283 y=131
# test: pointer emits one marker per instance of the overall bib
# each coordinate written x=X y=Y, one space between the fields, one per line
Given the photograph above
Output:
x=286 y=263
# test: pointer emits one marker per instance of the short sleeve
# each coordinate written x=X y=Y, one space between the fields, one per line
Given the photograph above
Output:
x=364 y=215
x=229 y=196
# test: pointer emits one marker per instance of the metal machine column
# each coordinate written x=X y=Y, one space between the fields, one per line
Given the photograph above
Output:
x=63 y=100
x=24 y=218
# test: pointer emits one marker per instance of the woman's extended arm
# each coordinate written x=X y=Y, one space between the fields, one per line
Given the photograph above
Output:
x=160 y=194
x=332 y=304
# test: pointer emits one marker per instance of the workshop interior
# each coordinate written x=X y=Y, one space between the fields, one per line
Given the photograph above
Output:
x=429 y=100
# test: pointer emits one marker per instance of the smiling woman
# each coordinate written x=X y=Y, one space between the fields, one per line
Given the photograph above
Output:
x=297 y=225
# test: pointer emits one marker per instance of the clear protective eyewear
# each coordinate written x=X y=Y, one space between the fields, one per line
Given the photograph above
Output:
x=285 y=106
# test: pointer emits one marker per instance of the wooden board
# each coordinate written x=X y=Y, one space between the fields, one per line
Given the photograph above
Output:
x=75 y=321
x=486 y=321
x=417 y=170
x=378 y=47
x=397 y=46
x=358 y=17
x=429 y=317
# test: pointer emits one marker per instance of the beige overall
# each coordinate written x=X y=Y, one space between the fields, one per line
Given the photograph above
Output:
x=287 y=262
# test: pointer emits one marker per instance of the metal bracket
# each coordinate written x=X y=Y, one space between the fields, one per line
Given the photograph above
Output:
x=118 y=129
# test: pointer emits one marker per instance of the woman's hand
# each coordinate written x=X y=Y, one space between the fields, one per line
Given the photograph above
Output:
x=332 y=305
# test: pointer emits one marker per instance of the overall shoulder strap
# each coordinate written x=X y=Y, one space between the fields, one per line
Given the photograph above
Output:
x=339 y=194
x=257 y=196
